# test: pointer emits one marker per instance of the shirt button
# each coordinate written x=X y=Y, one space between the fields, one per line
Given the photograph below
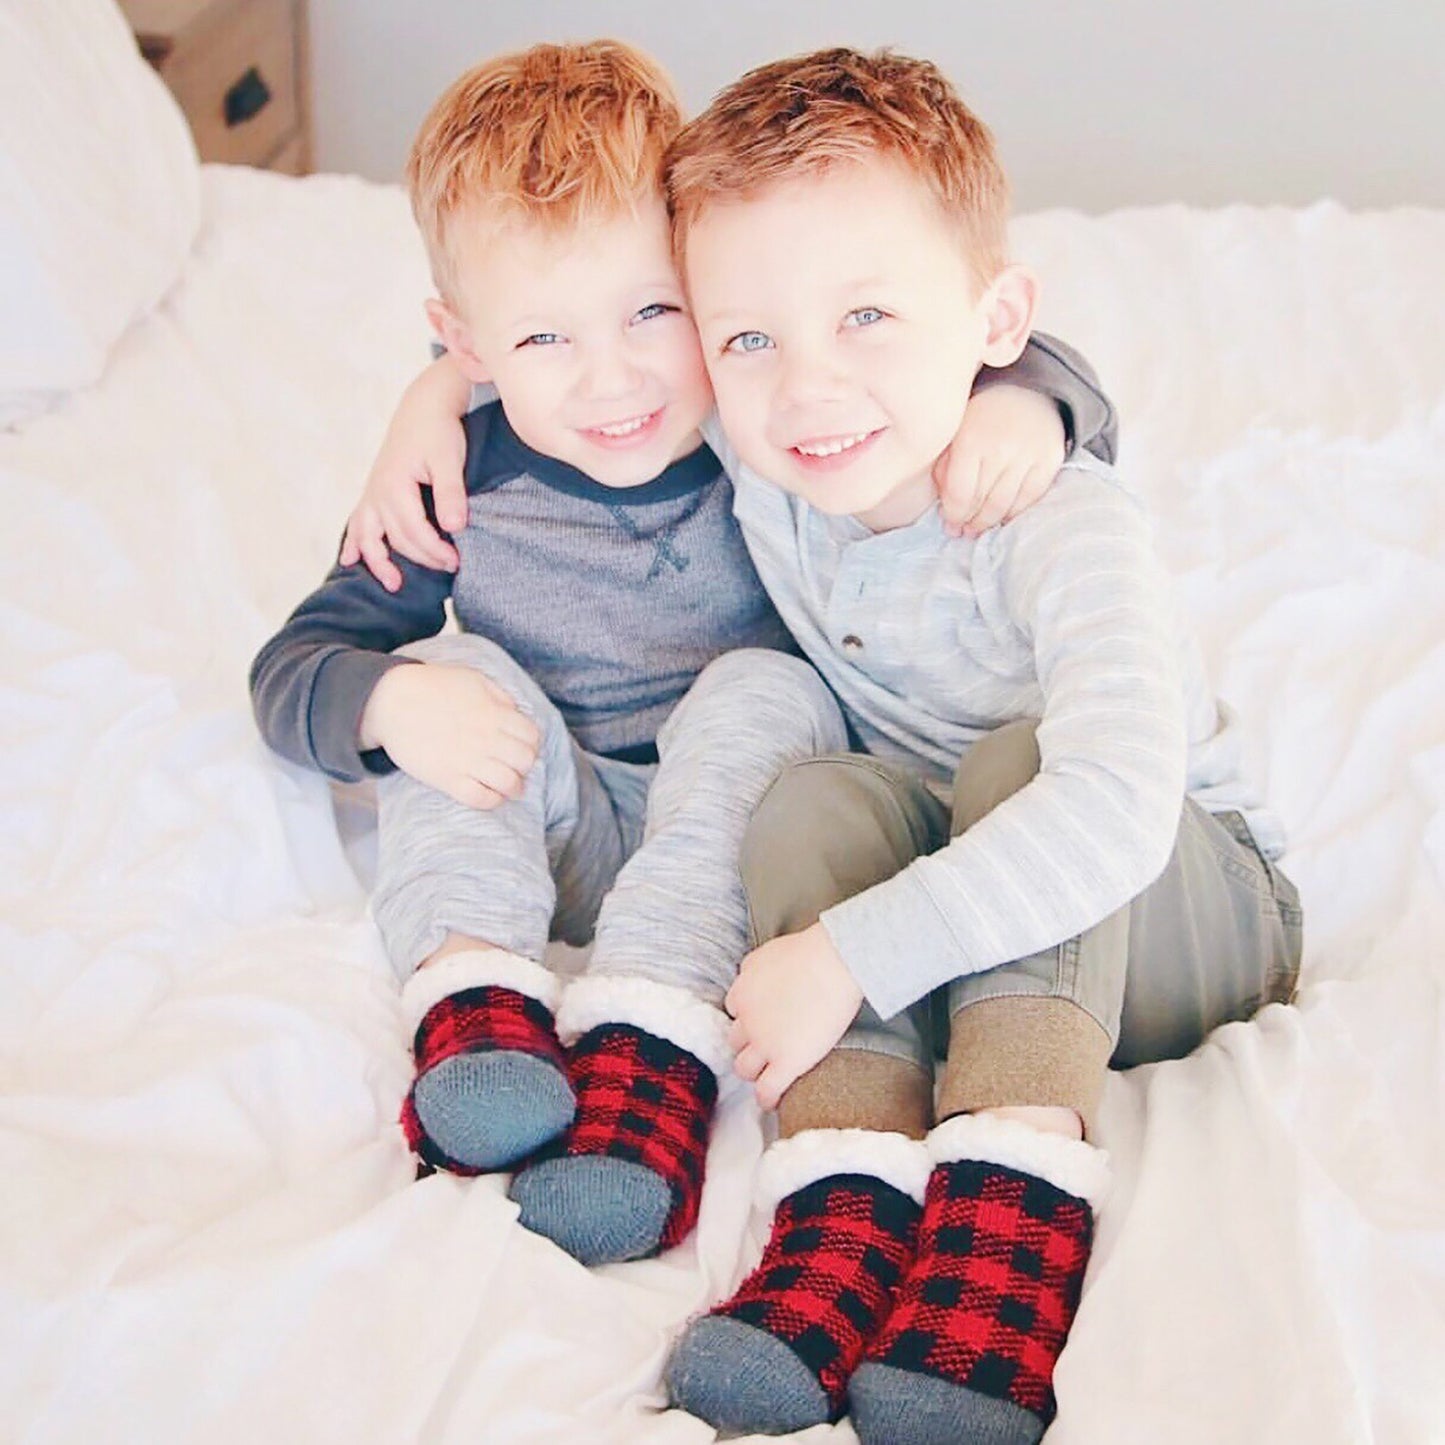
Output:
x=852 y=643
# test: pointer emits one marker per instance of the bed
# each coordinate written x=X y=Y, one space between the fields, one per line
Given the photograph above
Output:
x=209 y=1226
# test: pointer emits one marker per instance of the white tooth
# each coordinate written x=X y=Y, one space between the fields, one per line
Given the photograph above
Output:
x=623 y=428
x=831 y=449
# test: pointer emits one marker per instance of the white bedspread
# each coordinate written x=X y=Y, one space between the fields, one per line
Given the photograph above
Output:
x=208 y=1229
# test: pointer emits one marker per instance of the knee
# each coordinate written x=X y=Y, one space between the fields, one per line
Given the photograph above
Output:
x=466 y=649
x=994 y=768
x=826 y=829
x=762 y=670
x=774 y=690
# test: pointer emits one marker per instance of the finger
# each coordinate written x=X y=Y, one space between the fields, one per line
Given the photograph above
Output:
x=362 y=537
x=994 y=507
x=414 y=536
x=497 y=692
x=474 y=794
x=1037 y=480
x=509 y=710
x=449 y=490
x=516 y=755
x=749 y=1062
x=417 y=541
x=379 y=564
x=431 y=545
x=491 y=772
x=961 y=483
x=940 y=469
x=521 y=729
x=771 y=1085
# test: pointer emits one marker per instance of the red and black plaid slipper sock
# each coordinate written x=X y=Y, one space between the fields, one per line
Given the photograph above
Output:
x=491 y=1082
x=968 y=1351
x=777 y=1356
x=626 y=1179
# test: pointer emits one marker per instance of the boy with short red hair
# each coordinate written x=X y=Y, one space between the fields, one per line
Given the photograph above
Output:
x=582 y=760
x=1047 y=842
x=520 y=763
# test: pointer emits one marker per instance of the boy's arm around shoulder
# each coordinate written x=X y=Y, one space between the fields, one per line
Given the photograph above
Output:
x=1078 y=583
x=416 y=489
x=1055 y=369
x=310 y=683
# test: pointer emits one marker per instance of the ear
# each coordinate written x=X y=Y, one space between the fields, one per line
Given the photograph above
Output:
x=1009 y=307
x=456 y=336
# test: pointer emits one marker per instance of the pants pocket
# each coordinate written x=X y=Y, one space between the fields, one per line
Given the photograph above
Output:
x=1280 y=902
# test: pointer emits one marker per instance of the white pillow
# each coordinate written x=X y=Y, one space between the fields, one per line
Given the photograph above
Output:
x=99 y=194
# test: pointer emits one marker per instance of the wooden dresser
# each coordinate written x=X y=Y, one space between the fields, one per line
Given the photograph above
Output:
x=238 y=69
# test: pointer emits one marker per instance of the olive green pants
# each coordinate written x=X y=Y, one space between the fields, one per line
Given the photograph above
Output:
x=1217 y=935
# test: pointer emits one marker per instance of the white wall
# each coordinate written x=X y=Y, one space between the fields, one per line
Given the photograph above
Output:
x=1096 y=103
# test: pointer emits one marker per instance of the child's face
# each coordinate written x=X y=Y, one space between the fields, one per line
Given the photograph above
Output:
x=587 y=338
x=843 y=328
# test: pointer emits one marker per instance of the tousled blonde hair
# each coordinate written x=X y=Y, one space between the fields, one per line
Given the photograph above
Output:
x=553 y=135
x=803 y=115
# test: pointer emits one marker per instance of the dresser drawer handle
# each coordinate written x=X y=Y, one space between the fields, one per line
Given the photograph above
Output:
x=248 y=97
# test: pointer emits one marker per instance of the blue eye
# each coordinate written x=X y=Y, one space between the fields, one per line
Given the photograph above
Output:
x=540 y=338
x=863 y=316
x=746 y=341
x=657 y=308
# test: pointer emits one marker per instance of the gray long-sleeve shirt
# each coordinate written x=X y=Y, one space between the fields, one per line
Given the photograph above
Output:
x=1066 y=616
x=612 y=599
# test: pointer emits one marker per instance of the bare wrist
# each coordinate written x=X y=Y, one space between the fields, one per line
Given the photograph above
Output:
x=374 y=726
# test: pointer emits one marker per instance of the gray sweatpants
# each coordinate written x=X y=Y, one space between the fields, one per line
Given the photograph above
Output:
x=642 y=860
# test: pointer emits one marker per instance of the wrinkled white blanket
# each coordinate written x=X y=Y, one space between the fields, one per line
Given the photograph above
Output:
x=207 y=1226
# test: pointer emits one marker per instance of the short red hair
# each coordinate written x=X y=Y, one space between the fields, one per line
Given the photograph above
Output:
x=554 y=134
x=803 y=115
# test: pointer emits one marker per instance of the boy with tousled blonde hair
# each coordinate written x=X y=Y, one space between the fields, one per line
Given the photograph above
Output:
x=1046 y=846
x=581 y=761
x=555 y=135
x=797 y=118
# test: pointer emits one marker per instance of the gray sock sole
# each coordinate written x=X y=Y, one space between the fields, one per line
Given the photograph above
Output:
x=491 y=1109
x=890 y=1406
x=600 y=1210
x=740 y=1378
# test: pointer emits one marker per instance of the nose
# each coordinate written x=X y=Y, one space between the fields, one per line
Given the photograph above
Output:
x=611 y=375
x=810 y=374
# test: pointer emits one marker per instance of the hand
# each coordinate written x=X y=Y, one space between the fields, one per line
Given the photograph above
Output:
x=1004 y=458
x=454 y=730
x=424 y=446
x=793 y=1000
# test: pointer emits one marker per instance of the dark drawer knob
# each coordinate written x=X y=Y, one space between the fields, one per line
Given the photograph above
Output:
x=248 y=97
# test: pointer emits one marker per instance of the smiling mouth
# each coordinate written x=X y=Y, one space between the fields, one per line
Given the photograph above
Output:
x=828 y=448
x=631 y=429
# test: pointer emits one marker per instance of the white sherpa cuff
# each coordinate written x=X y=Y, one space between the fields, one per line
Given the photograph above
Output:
x=476 y=968
x=656 y=1008
x=802 y=1159
x=1072 y=1165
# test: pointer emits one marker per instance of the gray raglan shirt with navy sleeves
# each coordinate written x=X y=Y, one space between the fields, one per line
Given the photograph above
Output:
x=612 y=599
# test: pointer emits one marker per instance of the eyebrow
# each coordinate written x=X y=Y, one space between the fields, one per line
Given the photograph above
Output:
x=534 y=319
x=859 y=283
x=717 y=318
x=733 y=316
